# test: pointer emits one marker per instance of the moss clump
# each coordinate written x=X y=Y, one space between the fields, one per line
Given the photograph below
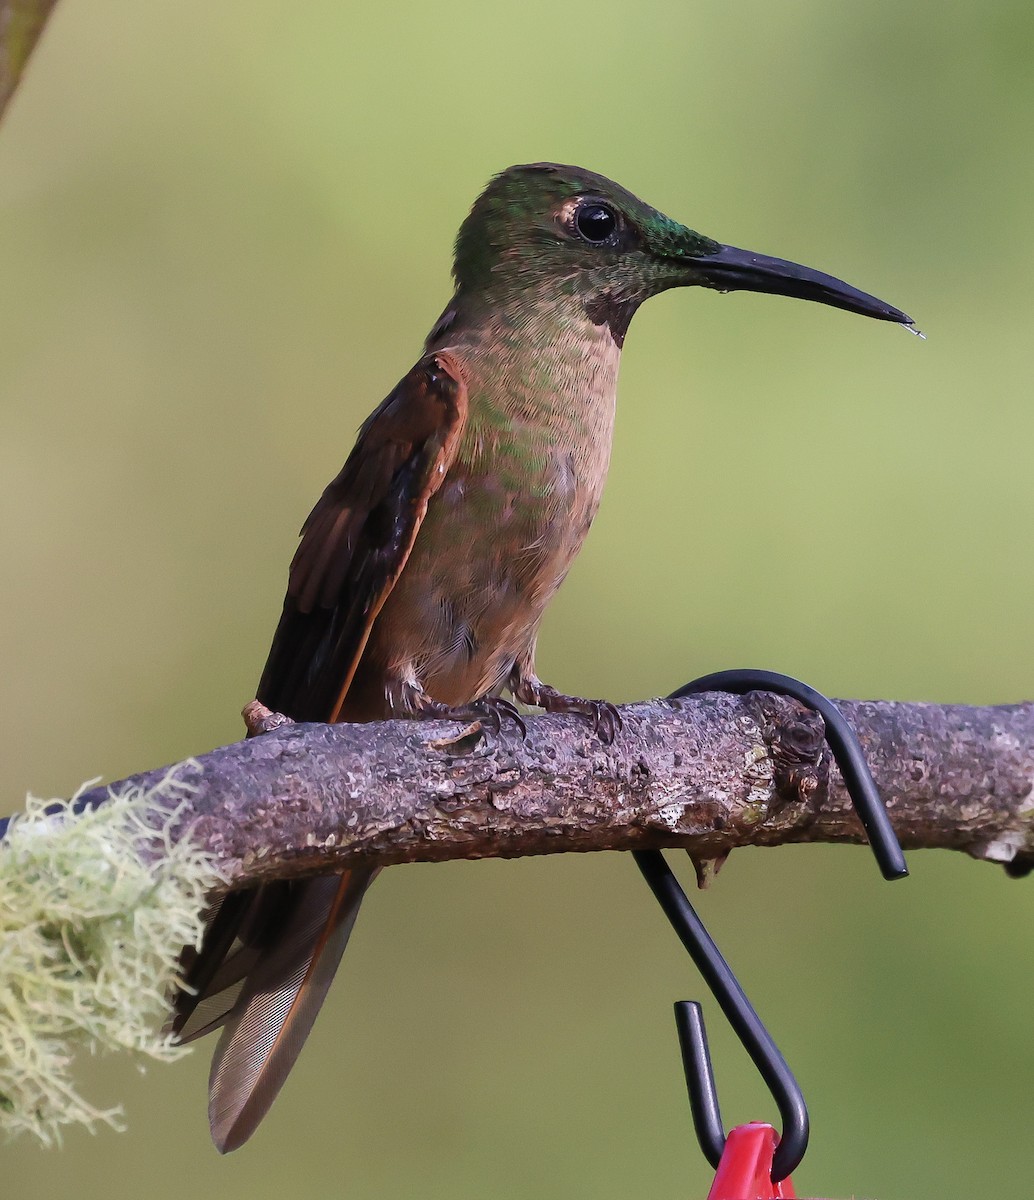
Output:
x=94 y=911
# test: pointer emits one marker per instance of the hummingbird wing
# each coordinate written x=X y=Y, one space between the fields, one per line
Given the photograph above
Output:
x=269 y=954
x=357 y=539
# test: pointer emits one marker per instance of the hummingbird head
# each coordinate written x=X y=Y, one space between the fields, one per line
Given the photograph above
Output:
x=578 y=234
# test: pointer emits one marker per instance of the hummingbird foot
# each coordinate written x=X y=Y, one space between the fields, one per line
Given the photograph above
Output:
x=489 y=711
x=601 y=714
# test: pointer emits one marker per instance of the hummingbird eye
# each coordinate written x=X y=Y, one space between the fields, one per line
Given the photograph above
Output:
x=595 y=222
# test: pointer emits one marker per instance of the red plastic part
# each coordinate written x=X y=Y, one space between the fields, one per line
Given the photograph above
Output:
x=745 y=1172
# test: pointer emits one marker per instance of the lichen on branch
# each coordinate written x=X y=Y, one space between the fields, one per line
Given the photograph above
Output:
x=94 y=910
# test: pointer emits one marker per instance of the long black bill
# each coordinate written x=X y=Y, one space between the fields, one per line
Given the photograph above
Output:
x=731 y=270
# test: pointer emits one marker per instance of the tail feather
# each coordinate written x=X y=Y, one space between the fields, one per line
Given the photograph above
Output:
x=203 y=968
x=277 y=1005
x=243 y=928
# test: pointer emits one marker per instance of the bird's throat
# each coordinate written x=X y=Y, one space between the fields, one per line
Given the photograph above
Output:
x=541 y=373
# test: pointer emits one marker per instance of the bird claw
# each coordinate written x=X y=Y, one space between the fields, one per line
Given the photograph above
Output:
x=495 y=709
x=489 y=712
x=601 y=714
x=606 y=720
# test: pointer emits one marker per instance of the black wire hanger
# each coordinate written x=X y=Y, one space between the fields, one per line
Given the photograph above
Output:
x=842 y=740
x=719 y=977
x=757 y=1041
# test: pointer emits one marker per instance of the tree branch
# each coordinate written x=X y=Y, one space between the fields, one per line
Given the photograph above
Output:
x=708 y=774
x=21 y=23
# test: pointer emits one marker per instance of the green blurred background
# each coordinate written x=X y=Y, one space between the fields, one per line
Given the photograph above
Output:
x=224 y=231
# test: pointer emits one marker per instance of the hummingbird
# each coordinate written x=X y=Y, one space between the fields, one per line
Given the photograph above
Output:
x=424 y=570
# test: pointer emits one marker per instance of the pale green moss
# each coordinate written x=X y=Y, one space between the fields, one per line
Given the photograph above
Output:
x=94 y=910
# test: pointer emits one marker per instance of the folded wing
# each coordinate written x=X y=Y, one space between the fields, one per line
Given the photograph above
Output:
x=269 y=954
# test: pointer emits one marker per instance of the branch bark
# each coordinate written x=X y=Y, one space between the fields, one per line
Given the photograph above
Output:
x=707 y=774
x=21 y=23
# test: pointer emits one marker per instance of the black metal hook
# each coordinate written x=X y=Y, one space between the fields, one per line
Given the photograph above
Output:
x=843 y=741
x=746 y=1023
x=756 y=1039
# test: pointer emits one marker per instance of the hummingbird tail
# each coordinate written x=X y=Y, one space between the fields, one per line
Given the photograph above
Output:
x=275 y=990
